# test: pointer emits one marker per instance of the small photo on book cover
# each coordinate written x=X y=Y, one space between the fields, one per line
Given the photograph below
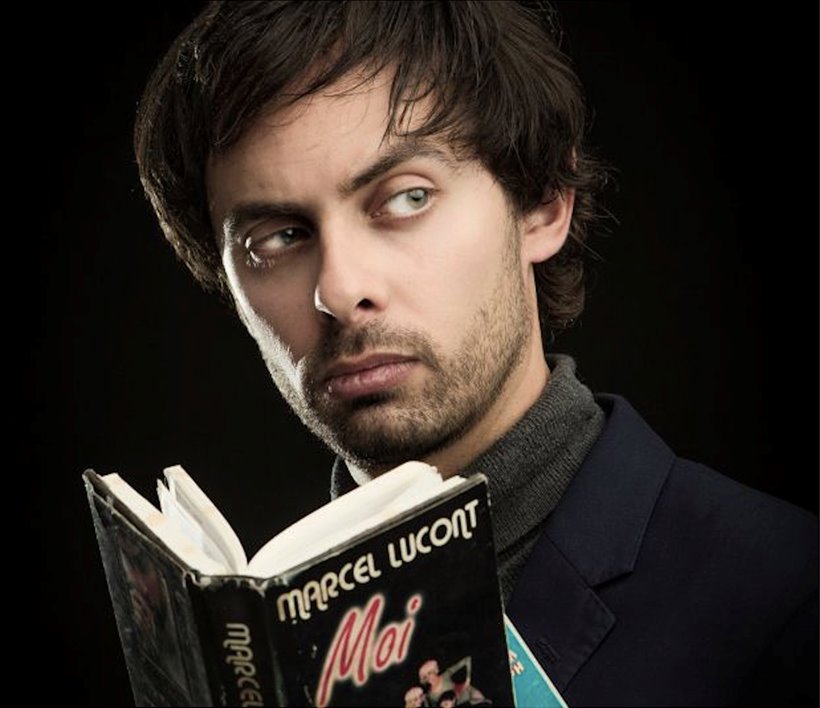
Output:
x=451 y=687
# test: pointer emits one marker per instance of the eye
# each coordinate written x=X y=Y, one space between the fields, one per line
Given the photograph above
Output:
x=264 y=248
x=407 y=202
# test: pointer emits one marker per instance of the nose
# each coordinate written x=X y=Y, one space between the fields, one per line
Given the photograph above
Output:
x=350 y=287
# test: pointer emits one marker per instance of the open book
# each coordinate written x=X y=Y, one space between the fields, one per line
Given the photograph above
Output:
x=193 y=528
x=386 y=595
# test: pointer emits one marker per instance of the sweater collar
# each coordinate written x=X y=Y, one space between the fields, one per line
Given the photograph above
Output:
x=529 y=468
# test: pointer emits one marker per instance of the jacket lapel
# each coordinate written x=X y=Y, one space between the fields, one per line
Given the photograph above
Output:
x=592 y=537
x=560 y=617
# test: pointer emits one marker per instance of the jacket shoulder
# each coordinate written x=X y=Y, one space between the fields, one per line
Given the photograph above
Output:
x=736 y=518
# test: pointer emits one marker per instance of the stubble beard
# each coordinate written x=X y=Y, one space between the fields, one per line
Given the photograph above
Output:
x=378 y=432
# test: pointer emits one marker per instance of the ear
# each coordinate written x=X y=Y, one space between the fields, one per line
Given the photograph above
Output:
x=544 y=229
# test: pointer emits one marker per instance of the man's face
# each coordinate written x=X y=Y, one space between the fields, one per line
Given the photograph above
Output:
x=382 y=281
x=427 y=672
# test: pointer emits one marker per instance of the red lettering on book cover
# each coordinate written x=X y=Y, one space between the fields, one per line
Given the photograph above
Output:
x=360 y=647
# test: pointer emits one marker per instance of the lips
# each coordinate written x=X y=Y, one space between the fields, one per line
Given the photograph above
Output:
x=367 y=375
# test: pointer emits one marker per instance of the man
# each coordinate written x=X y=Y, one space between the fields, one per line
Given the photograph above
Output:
x=396 y=198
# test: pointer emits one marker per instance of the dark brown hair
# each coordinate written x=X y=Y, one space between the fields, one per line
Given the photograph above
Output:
x=501 y=89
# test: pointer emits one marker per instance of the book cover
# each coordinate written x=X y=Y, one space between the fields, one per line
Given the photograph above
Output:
x=407 y=613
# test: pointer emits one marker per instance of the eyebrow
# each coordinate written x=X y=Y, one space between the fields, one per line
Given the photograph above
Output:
x=394 y=156
x=246 y=212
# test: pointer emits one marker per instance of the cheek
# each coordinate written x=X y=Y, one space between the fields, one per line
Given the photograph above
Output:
x=279 y=314
x=289 y=327
x=460 y=272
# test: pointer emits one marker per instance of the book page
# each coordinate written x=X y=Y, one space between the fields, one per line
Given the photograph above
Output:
x=163 y=528
x=195 y=514
x=357 y=511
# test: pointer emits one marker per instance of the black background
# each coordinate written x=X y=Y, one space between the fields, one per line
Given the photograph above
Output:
x=703 y=314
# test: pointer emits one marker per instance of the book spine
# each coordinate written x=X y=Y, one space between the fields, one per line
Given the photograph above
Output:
x=240 y=659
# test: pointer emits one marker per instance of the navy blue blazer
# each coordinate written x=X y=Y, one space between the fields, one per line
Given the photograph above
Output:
x=657 y=581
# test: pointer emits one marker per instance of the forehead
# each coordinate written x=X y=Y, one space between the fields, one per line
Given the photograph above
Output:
x=324 y=143
x=354 y=111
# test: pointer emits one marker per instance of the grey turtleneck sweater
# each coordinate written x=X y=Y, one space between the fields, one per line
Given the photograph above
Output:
x=528 y=468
